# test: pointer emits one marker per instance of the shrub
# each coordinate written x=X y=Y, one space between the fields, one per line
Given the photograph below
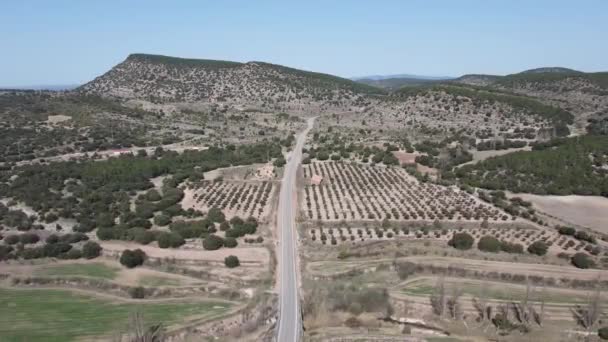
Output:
x=352 y=322
x=73 y=254
x=462 y=241
x=603 y=333
x=27 y=238
x=52 y=239
x=132 y=258
x=279 y=162
x=5 y=252
x=169 y=240
x=152 y=196
x=584 y=236
x=32 y=253
x=91 y=250
x=582 y=260
x=140 y=235
x=232 y=261
x=137 y=292
x=53 y=250
x=104 y=234
x=511 y=247
x=489 y=244
x=11 y=239
x=538 y=248
x=162 y=219
x=405 y=269
x=230 y=242
x=224 y=226
x=216 y=215
x=213 y=242
x=73 y=238
x=566 y=230
x=236 y=221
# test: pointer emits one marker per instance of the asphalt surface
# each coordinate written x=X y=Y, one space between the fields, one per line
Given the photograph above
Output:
x=290 y=319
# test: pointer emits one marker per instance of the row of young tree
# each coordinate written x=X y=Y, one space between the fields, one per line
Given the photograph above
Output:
x=488 y=243
x=518 y=314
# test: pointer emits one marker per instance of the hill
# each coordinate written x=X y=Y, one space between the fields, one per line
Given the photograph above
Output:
x=582 y=94
x=163 y=79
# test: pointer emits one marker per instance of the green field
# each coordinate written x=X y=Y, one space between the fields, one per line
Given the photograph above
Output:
x=92 y=270
x=497 y=291
x=58 y=315
x=155 y=281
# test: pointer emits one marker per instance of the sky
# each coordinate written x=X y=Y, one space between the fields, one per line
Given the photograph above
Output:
x=73 y=41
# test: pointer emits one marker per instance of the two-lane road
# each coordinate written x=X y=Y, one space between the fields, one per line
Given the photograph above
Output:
x=289 y=312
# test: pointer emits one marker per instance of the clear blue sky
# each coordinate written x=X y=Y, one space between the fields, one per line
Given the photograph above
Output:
x=66 y=42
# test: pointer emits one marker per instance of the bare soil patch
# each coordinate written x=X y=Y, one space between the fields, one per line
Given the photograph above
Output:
x=587 y=211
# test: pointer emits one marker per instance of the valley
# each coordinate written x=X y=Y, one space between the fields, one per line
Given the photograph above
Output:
x=217 y=200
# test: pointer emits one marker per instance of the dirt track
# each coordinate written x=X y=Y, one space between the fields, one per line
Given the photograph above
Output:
x=337 y=267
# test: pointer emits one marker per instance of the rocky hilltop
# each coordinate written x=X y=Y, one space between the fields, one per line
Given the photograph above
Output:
x=162 y=79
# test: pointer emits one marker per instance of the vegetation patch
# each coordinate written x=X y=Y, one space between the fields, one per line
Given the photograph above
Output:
x=57 y=316
x=91 y=270
x=570 y=166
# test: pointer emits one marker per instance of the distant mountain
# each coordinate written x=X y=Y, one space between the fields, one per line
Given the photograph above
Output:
x=393 y=82
x=52 y=87
x=477 y=79
x=396 y=83
x=406 y=76
x=549 y=70
x=159 y=79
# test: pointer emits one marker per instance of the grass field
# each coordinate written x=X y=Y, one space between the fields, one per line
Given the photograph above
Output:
x=58 y=315
x=497 y=291
x=155 y=281
x=92 y=270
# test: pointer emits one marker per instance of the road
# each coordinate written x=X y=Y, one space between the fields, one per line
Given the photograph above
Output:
x=290 y=323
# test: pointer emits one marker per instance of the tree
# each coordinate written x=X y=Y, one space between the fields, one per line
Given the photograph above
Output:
x=91 y=250
x=162 y=219
x=538 y=247
x=405 y=269
x=139 y=332
x=132 y=258
x=279 y=162
x=213 y=242
x=489 y=244
x=588 y=314
x=439 y=297
x=73 y=254
x=582 y=260
x=28 y=238
x=603 y=333
x=11 y=239
x=53 y=250
x=169 y=240
x=232 y=261
x=224 y=226
x=230 y=242
x=137 y=292
x=52 y=239
x=216 y=215
x=462 y=241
